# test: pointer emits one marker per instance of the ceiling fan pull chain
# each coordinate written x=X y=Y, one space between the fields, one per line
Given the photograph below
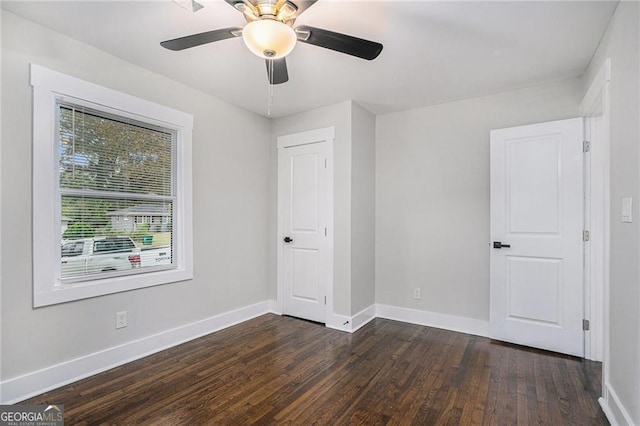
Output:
x=270 y=88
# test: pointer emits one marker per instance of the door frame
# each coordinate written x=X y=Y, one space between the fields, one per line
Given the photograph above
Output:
x=323 y=135
x=596 y=103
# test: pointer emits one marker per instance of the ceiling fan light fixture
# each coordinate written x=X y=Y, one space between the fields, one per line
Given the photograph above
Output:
x=269 y=38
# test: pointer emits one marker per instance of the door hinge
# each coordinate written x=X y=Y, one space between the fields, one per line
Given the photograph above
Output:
x=585 y=324
x=325 y=163
x=325 y=231
x=585 y=235
x=586 y=146
x=325 y=300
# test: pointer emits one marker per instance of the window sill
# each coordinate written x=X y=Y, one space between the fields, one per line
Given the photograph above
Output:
x=62 y=293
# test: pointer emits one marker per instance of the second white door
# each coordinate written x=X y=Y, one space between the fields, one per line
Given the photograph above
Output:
x=303 y=210
x=537 y=235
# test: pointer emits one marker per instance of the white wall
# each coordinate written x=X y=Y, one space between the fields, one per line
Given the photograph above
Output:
x=621 y=44
x=362 y=209
x=231 y=201
x=432 y=195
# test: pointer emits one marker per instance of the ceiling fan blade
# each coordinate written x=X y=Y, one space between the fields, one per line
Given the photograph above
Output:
x=201 y=38
x=343 y=43
x=233 y=2
x=277 y=70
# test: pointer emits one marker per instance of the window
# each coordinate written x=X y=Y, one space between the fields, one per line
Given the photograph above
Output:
x=120 y=167
x=109 y=167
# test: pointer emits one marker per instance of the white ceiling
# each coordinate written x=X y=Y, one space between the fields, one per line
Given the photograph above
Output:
x=434 y=52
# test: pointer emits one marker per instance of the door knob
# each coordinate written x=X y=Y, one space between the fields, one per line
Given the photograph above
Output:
x=288 y=240
x=498 y=245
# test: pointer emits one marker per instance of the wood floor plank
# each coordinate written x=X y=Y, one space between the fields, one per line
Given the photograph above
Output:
x=280 y=370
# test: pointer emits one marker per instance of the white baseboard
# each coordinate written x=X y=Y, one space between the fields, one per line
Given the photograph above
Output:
x=274 y=308
x=434 y=319
x=346 y=323
x=412 y=316
x=339 y=322
x=613 y=408
x=31 y=384
x=363 y=317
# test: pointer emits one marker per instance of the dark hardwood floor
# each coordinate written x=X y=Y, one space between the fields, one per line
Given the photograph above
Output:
x=280 y=370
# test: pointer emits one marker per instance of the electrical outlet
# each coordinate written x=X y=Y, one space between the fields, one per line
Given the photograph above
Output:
x=121 y=319
x=416 y=293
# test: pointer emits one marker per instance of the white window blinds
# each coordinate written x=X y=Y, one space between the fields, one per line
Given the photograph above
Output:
x=117 y=194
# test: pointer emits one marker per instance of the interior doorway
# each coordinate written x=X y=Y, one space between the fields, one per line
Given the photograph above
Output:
x=305 y=222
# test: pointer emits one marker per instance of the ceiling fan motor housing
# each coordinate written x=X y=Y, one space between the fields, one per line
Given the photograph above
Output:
x=282 y=11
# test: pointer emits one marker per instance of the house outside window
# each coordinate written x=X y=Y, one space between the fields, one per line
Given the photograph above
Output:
x=122 y=171
x=157 y=216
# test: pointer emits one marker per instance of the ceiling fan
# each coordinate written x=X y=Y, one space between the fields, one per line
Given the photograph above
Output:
x=269 y=33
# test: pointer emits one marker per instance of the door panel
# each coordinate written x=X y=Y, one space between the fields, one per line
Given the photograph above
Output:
x=537 y=210
x=305 y=274
x=304 y=192
x=534 y=188
x=533 y=287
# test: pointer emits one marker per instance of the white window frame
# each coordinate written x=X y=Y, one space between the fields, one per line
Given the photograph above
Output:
x=49 y=88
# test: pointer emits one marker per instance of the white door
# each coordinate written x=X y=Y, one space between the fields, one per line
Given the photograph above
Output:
x=537 y=236
x=303 y=210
